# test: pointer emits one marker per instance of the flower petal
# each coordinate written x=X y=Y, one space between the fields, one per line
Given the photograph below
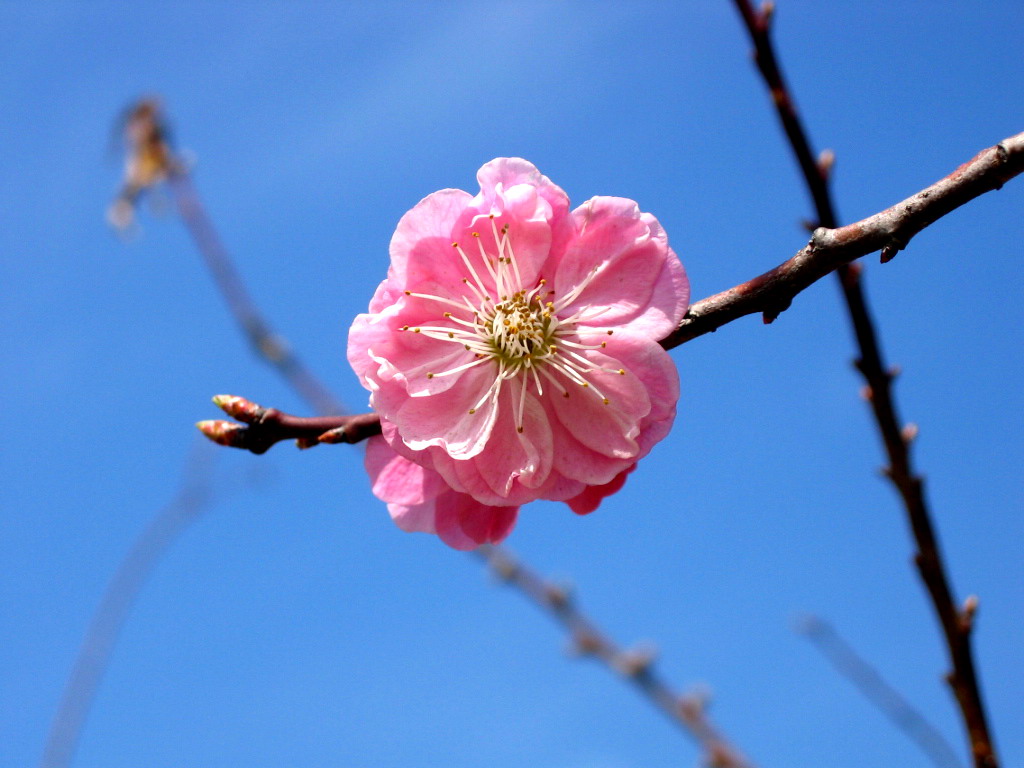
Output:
x=629 y=251
x=445 y=420
x=592 y=497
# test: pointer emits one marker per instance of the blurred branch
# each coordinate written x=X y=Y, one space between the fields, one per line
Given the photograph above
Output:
x=94 y=655
x=890 y=231
x=832 y=248
x=637 y=667
x=883 y=696
x=266 y=426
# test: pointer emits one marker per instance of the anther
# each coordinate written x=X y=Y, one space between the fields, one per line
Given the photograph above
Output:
x=408 y=293
x=519 y=430
x=476 y=234
x=606 y=401
x=610 y=332
x=455 y=245
x=472 y=411
x=415 y=330
x=405 y=327
x=622 y=371
x=430 y=375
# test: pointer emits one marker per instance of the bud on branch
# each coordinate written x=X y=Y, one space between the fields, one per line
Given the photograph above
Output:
x=261 y=427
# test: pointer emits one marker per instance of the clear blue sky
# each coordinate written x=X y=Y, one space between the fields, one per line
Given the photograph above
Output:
x=294 y=625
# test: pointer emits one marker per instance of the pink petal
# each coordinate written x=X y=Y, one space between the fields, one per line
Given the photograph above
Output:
x=609 y=429
x=592 y=497
x=425 y=232
x=444 y=419
x=463 y=523
x=631 y=251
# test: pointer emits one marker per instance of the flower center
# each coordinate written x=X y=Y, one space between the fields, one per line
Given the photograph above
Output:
x=519 y=330
x=525 y=336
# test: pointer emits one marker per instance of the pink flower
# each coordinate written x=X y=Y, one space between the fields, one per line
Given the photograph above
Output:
x=512 y=352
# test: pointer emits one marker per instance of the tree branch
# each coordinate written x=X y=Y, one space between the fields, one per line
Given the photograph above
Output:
x=890 y=231
x=262 y=427
x=832 y=248
x=876 y=690
x=635 y=666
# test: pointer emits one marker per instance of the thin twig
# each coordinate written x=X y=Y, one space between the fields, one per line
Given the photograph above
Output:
x=261 y=428
x=94 y=655
x=890 y=231
x=876 y=690
x=832 y=248
x=270 y=346
x=635 y=666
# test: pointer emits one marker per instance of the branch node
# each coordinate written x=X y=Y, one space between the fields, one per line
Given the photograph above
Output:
x=766 y=15
x=585 y=643
x=636 y=662
x=867 y=393
x=909 y=433
x=890 y=250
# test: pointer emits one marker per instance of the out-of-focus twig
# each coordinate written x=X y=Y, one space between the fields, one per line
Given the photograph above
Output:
x=686 y=712
x=637 y=667
x=151 y=161
x=874 y=688
x=890 y=231
x=94 y=655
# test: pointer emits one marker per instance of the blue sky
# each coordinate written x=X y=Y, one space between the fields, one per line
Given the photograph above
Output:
x=293 y=624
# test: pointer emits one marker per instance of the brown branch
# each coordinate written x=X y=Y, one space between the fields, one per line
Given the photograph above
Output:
x=831 y=248
x=876 y=690
x=890 y=231
x=637 y=667
x=770 y=293
x=262 y=427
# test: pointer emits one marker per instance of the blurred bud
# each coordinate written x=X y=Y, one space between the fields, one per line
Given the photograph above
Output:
x=223 y=432
x=239 y=408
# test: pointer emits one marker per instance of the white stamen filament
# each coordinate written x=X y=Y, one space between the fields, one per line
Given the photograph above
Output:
x=519 y=329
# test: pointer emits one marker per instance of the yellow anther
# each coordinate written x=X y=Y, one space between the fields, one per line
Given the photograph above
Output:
x=584 y=384
x=451 y=335
x=476 y=234
x=415 y=330
x=472 y=411
x=607 y=401
x=604 y=344
x=430 y=375
x=455 y=245
x=408 y=293
x=405 y=327
x=622 y=371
